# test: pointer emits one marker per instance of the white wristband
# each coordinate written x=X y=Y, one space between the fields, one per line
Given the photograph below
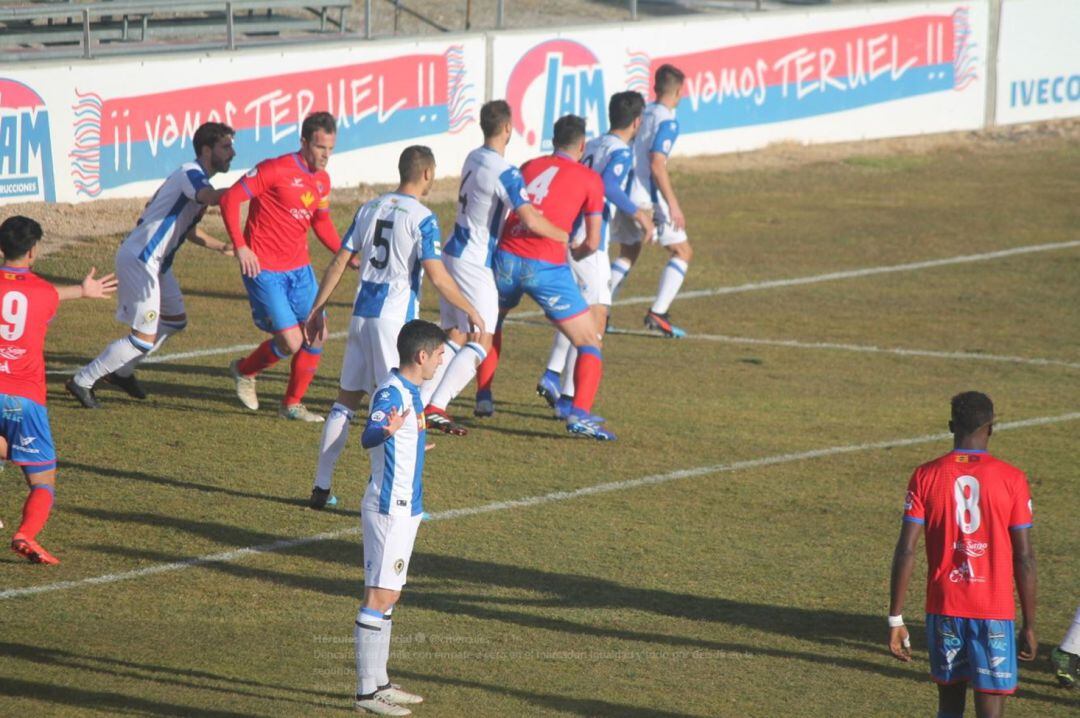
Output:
x=896 y=621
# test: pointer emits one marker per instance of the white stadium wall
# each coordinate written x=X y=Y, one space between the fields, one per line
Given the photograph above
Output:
x=1038 y=70
x=77 y=131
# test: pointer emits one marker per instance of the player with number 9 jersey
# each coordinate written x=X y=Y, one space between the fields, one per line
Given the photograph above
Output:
x=27 y=305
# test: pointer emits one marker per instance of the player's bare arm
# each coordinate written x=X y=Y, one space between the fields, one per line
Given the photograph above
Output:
x=538 y=224
x=593 y=227
x=230 y=202
x=209 y=196
x=658 y=165
x=1024 y=574
x=315 y=322
x=91 y=287
x=448 y=288
x=201 y=238
x=903 y=564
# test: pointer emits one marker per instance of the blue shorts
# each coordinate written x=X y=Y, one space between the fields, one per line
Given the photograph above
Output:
x=552 y=286
x=25 y=425
x=280 y=300
x=976 y=650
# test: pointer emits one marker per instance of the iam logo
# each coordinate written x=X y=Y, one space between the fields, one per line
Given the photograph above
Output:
x=556 y=78
x=26 y=168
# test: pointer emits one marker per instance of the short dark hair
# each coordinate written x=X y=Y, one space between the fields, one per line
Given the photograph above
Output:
x=318 y=121
x=418 y=335
x=667 y=78
x=971 y=410
x=18 y=235
x=209 y=134
x=494 y=116
x=413 y=161
x=624 y=108
x=569 y=131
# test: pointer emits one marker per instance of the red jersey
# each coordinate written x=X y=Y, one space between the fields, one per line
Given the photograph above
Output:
x=562 y=190
x=27 y=305
x=969 y=502
x=286 y=199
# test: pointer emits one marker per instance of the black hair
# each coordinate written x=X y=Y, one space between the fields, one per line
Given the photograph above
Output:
x=970 y=411
x=667 y=78
x=418 y=335
x=624 y=108
x=413 y=161
x=18 y=235
x=569 y=131
x=318 y=121
x=494 y=116
x=209 y=134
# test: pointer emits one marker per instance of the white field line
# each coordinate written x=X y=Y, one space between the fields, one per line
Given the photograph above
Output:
x=749 y=287
x=237 y=554
x=865 y=348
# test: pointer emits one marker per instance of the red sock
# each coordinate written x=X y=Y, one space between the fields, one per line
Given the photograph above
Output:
x=36 y=511
x=587 y=372
x=263 y=357
x=304 y=365
x=485 y=373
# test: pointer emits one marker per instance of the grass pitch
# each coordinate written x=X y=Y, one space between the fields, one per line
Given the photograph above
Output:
x=758 y=589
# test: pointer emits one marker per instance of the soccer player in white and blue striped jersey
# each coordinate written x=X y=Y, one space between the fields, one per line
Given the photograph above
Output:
x=149 y=297
x=490 y=188
x=396 y=239
x=611 y=157
x=395 y=436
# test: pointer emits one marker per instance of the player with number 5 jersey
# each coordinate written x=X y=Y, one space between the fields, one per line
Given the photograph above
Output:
x=976 y=513
x=397 y=239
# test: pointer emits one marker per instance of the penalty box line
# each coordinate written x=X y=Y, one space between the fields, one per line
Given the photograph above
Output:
x=528 y=501
x=696 y=293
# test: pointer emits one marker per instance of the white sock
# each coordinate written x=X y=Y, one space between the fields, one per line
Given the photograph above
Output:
x=334 y=435
x=670 y=280
x=368 y=634
x=1071 y=642
x=568 y=371
x=381 y=676
x=620 y=268
x=458 y=375
x=427 y=389
x=559 y=348
x=165 y=330
x=111 y=358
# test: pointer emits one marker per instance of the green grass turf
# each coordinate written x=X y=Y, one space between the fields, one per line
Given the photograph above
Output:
x=756 y=592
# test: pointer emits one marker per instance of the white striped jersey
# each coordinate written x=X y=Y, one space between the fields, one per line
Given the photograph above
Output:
x=612 y=159
x=393 y=234
x=490 y=188
x=396 y=485
x=659 y=130
x=168 y=217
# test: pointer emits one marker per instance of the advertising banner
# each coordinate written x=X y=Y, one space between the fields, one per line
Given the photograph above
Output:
x=1038 y=70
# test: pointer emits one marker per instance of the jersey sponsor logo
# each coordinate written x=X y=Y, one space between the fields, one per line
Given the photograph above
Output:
x=300 y=214
x=26 y=165
x=24 y=445
x=968 y=547
x=997 y=661
x=5 y=367
x=556 y=78
x=964 y=573
x=12 y=352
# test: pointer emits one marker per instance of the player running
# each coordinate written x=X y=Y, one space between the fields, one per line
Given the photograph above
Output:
x=659 y=130
x=27 y=305
x=392 y=509
x=976 y=513
x=397 y=239
x=490 y=188
x=563 y=189
x=149 y=296
x=611 y=157
x=288 y=195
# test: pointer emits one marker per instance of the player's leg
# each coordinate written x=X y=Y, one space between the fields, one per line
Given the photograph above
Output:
x=627 y=235
x=270 y=311
x=508 y=270
x=306 y=355
x=138 y=306
x=951 y=700
x=335 y=435
x=25 y=427
x=950 y=665
x=593 y=276
x=991 y=654
x=485 y=372
x=671 y=277
x=173 y=320
x=989 y=705
x=455 y=339
x=565 y=403
x=547 y=386
x=1065 y=658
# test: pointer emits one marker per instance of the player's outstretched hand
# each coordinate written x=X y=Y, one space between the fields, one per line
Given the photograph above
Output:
x=396 y=420
x=900 y=643
x=98 y=287
x=315 y=325
x=1029 y=646
x=249 y=263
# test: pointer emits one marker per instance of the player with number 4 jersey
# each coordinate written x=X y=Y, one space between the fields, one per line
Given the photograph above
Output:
x=397 y=240
x=976 y=513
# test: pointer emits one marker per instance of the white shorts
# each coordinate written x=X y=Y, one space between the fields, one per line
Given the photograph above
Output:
x=388 y=545
x=666 y=234
x=370 y=353
x=623 y=229
x=593 y=277
x=477 y=284
x=143 y=295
